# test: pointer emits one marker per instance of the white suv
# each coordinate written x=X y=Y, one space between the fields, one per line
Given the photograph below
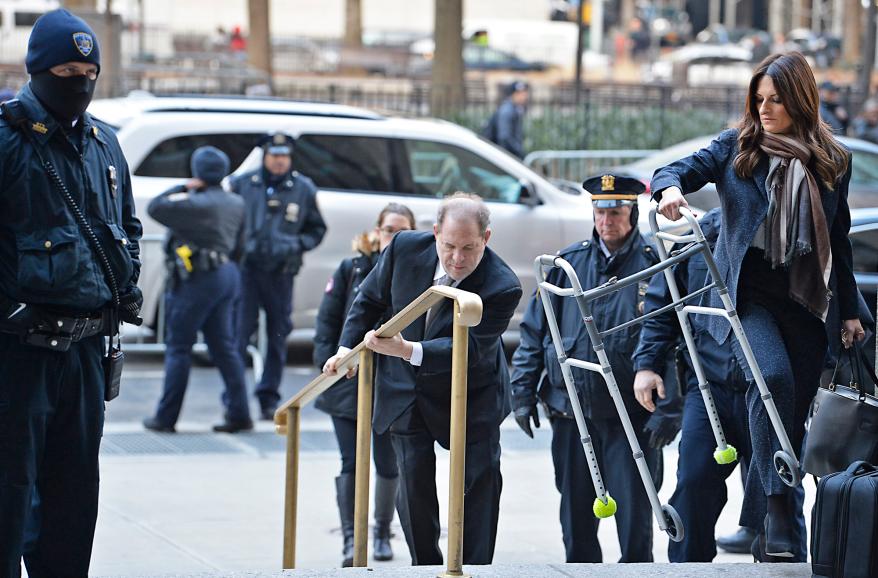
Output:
x=360 y=161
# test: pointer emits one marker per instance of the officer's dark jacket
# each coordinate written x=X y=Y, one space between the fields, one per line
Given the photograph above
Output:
x=279 y=227
x=341 y=399
x=662 y=333
x=744 y=204
x=536 y=351
x=212 y=219
x=404 y=271
x=44 y=257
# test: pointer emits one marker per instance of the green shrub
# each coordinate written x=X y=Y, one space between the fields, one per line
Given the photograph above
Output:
x=594 y=128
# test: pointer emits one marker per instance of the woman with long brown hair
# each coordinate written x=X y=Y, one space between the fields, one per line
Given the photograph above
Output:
x=783 y=251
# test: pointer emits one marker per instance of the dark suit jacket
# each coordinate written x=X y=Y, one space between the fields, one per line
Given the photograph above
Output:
x=745 y=205
x=404 y=271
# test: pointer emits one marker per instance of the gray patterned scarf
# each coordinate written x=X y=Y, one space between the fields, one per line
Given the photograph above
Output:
x=796 y=234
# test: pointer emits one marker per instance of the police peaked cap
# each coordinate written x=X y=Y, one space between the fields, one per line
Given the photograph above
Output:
x=58 y=37
x=608 y=191
x=278 y=143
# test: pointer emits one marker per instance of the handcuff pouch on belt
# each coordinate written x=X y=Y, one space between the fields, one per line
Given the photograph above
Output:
x=58 y=333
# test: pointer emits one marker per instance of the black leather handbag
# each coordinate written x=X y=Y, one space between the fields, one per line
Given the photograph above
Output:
x=844 y=422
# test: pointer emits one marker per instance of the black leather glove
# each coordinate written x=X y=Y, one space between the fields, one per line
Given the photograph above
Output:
x=129 y=306
x=662 y=429
x=523 y=416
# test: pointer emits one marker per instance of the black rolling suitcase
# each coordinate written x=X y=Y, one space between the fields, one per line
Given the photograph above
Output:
x=844 y=524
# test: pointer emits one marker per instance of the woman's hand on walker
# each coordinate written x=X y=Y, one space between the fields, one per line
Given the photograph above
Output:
x=672 y=200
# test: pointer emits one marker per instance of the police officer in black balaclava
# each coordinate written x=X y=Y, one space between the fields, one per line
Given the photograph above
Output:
x=64 y=60
x=69 y=264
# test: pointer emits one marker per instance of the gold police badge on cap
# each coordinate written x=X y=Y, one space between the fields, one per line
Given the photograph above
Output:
x=608 y=183
x=84 y=43
x=279 y=139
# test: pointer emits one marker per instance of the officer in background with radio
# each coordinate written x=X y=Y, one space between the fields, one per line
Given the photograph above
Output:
x=282 y=223
x=69 y=263
x=206 y=226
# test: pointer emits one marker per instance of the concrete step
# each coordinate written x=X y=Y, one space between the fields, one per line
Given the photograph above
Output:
x=548 y=571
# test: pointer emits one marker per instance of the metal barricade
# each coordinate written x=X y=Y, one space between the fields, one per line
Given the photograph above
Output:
x=578 y=165
x=145 y=340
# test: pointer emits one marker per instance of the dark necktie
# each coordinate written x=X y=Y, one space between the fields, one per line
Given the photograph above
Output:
x=443 y=280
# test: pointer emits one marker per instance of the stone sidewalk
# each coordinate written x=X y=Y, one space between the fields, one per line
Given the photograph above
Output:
x=200 y=504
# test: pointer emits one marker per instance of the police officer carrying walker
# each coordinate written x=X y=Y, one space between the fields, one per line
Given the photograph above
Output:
x=615 y=250
x=282 y=223
x=206 y=227
x=69 y=263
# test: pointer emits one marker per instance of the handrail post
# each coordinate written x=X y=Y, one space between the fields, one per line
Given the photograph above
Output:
x=364 y=442
x=292 y=487
x=456 y=476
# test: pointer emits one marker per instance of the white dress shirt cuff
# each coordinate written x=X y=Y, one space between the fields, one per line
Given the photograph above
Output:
x=417 y=354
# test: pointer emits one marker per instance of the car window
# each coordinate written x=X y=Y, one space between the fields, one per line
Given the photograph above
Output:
x=438 y=169
x=865 y=249
x=345 y=162
x=864 y=169
x=170 y=158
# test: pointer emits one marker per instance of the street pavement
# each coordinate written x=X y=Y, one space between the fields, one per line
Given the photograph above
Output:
x=199 y=503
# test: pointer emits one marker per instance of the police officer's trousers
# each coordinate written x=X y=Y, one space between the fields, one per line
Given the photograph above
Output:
x=700 y=494
x=51 y=420
x=572 y=478
x=272 y=292
x=205 y=302
x=416 y=500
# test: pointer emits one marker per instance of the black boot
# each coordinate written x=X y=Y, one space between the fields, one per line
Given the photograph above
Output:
x=385 y=499
x=779 y=527
x=344 y=493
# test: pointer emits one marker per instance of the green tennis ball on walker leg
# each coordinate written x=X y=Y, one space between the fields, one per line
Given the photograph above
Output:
x=602 y=510
x=726 y=456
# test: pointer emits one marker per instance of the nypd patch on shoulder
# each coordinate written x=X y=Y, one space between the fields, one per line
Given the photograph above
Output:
x=84 y=42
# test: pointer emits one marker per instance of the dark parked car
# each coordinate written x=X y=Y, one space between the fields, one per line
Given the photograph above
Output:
x=475 y=57
x=863 y=191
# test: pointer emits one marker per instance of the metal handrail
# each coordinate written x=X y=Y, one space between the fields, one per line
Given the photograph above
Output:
x=467 y=313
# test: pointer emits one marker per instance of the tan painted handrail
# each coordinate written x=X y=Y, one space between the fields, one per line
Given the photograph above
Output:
x=467 y=313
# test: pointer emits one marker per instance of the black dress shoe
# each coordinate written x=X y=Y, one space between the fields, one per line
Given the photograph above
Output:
x=155 y=425
x=739 y=542
x=233 y=426
x=267 y=412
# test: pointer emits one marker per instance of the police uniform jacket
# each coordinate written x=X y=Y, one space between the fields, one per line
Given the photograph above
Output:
x=210 y=220
x=744 y=205
x=536 y=351
x=282 y=221
x=661 y=334
x=44 y=257
x=404 y=271
x=341 y=399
